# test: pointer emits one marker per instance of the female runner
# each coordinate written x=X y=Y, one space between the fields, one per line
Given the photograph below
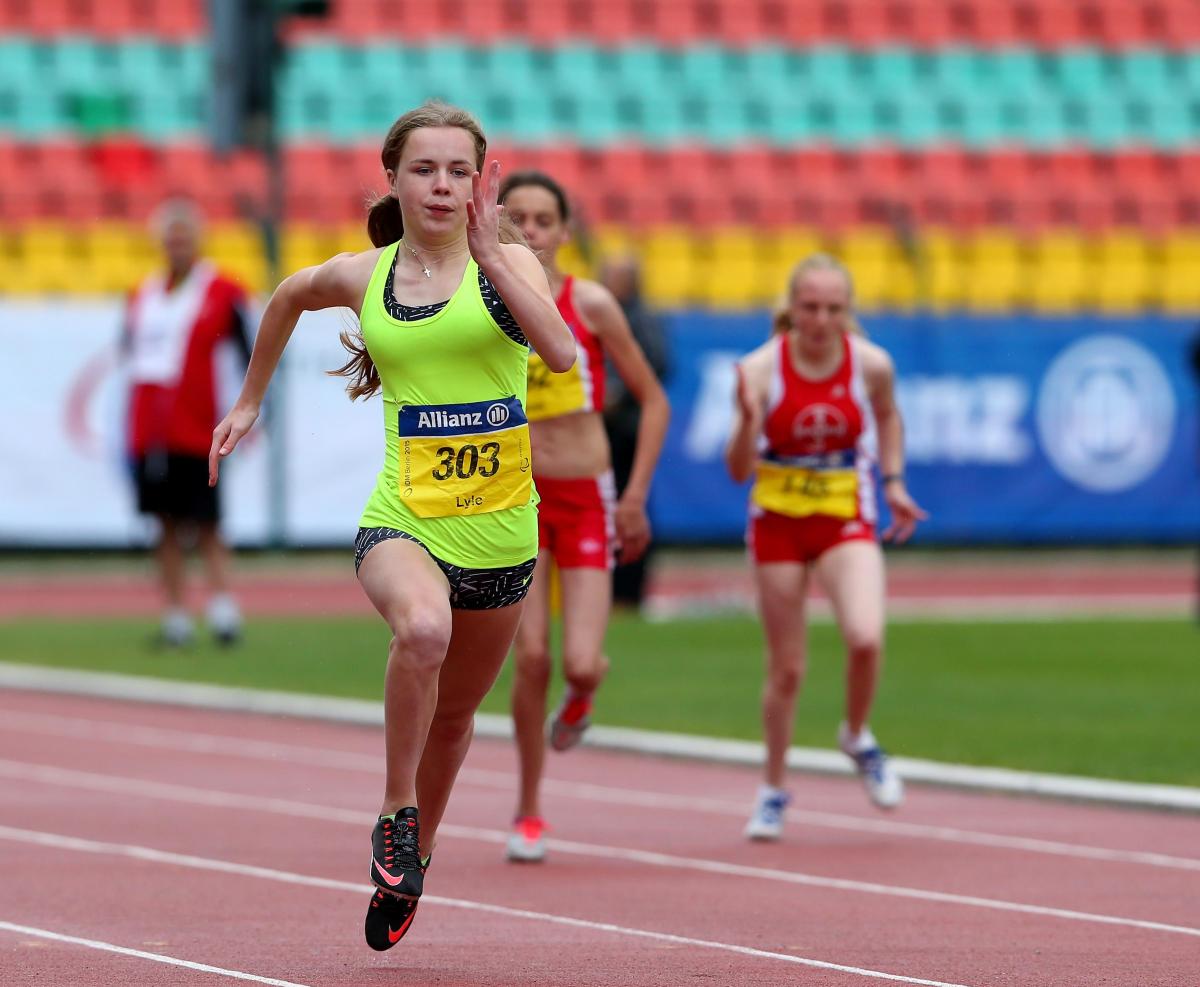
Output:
x=579 y=526
x=448 y=539
x=815 y=406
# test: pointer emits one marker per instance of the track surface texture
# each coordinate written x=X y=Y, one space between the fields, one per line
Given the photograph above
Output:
x=158 y=845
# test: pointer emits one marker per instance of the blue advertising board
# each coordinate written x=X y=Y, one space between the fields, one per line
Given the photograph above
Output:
x=1018 y=429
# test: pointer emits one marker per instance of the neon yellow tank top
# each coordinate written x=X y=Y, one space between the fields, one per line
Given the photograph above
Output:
x=457 y=473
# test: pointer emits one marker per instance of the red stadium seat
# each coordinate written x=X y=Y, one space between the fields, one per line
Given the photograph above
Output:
x=989 y=23
x=672 y=22
x=549 y=24
x=611 y=23
x=791 y=23
x=866 y=23
x=925 y=22
x=1121 y=23
x=178 y=20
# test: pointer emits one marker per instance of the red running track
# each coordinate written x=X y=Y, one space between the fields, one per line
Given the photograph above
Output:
x=240 y=842
x=938 y=589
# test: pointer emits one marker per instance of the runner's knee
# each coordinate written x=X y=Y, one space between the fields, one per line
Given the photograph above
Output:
x=420 y=640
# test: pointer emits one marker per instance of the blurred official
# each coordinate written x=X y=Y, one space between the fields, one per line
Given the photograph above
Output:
x=174 y=323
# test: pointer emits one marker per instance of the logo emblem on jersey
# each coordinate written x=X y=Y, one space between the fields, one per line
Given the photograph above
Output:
x=497 y=415
x=1106 y=413
x=818 y=425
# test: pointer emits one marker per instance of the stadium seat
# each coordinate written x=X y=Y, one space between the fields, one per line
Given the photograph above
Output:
x=1059 y=273
x=994 y=278
x=1121 y=273
x=1176 y=286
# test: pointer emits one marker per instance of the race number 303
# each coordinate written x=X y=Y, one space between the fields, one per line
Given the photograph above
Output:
x=460 y=459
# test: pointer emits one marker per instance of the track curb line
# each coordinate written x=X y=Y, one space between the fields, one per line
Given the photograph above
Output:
x=144 y=689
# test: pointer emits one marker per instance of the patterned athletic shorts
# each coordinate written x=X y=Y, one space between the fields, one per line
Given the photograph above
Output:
x=470 y=589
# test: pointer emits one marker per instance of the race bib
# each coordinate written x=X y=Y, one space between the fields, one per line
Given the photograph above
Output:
x=462 y=459
x=550 y=395
x=796 y=491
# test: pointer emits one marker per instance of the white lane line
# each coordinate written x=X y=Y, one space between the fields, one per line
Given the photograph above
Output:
x=180 y=793
x=216 y=744
x=141 y=954
x=150 y=854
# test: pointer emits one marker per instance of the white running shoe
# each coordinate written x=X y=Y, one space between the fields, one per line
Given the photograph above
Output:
x=224 y=619
x=527 y=841
x=766 y=822
x=175 y=629
x=884 y=787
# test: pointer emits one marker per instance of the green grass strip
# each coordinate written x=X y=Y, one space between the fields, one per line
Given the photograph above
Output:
x=1114 y=699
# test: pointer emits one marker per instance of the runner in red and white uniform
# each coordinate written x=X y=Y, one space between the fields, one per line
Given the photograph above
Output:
x=581 y=524
x=815 y=412
x=175 y=321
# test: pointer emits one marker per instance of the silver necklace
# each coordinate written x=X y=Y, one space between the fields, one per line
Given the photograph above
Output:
x=424 y=270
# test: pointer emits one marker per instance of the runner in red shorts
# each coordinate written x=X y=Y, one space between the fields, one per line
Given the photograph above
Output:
x=815 y=409
x=581 y=524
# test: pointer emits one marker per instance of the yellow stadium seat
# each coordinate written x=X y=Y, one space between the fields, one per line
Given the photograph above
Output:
x=938 y=279
x=350 y=238
x=118 y=254
x=304 y=246
x=1121 y=273
x=237 y=249
x=1059 y=272
x=734 y=275
x=1176 y=284
x=671 y=259
x=994 y=271
x=52 y=259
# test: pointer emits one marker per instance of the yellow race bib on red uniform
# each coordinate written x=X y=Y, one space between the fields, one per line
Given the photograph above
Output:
x=463 y=459
x=797 y=491
x=549 y=395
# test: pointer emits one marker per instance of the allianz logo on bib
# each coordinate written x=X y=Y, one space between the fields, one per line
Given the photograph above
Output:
x=447 y=419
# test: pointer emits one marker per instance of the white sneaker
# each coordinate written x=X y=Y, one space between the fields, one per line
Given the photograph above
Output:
x=224 y=619
x=175 y=630
x=527 y=842
x=884 y=787
x=766 y=822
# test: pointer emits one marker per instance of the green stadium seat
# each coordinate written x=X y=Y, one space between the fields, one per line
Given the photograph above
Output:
x=828 y=67
x=78 y=65
x=916 y=120
x=1146 y=72
x=1107 y=123
x=892 y=71
x=195 y=66
x=1170 y=126
x=1044 y=125
x=959 y=71
x=790 y=122
x=702 y=67
x=853 y=122
x=974 y=120
x=644 y=67
x=1080 y=72
x=38 y=112
x=19 y=61
x=1014 y=72
x=576 y=68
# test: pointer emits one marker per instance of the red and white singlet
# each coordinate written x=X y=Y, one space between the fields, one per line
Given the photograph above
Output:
x=813 y=485
x=575 y=516
x=170 y=340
